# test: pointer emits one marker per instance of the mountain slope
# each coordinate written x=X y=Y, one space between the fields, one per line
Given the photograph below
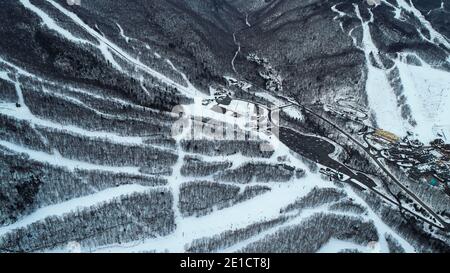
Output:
x=93 y=98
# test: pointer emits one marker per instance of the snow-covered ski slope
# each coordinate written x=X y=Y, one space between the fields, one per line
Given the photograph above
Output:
x=263 y=207
x=425 y=85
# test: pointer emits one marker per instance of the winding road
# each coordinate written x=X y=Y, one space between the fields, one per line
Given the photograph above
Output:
x=444 y=224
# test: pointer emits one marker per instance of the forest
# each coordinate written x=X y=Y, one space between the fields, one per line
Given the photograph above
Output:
x=128 y=218
x=202 y=197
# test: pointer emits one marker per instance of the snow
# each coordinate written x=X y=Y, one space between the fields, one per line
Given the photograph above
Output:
x=293 y=112
x=428 y=94
x=381 y=97
x=336 y=245
x=236 y=54
x=381 y=227
x=297 y=219
x=56 y=159
x=190 y=87
x=106 y=47
x=339 y=15
x=246 y=20
x=51 y=24
x=73 y=205
x=23 y=113
x=124 y=55
x=263 y=207
x=426 y=88
x=397 y=10
x=436 y=37
x=127 y=39
x=235 y=217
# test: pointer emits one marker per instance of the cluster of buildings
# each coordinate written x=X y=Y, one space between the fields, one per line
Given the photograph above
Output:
x=428 y=164
x=332 y=174
x=433 y=164
x=274 y=81
x=385 y=135
x=346 y=112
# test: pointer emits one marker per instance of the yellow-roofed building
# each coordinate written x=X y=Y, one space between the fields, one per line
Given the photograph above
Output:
x=388 y=136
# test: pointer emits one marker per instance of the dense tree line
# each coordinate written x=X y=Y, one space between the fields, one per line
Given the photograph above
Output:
x=21 y=133
x=228 y=238
x=20 y=181
x=194 y=166
x=100 y=99
x=431 y=195
x=348 y=206
x=102 y=152
x=399 y=91
x=26 y=185
x=61 y=111
x=250 y=148
x=316 y=197
x=162 y=141
x=101 y=180
x=48 y=52
x=411 y=229
x=7 y=91
x=200 y=198
x=313 y=233
x=128 y=218
x=393 y=245
x=257 y=172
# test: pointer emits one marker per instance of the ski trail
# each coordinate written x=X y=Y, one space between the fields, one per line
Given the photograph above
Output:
x=336 y=245
x=397 y=10
x=51 y=24
x=21 y=105
x=380 y=95
x=106 y=47
x=121 y=32
x=23 y=114
x=237 y=216
x=190 y=86
x=381 y=227
x=57 y=160
x=92 y=109
x=174 y=183
x=435 y=36
x=297 y=219
x=73 y=89
x=246 y=20
x=73 y=205
x=124 y=55
x=340 y=14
